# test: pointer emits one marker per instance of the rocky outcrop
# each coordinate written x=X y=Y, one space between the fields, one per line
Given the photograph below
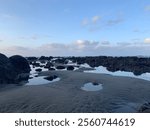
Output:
x=137 y=65
x=13 y=69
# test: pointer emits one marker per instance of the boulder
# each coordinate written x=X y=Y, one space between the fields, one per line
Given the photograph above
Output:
x=51 y=78
x=13 y=69
x=20 y=64
x=38 y=70
x=70 y=68
x=6 y=70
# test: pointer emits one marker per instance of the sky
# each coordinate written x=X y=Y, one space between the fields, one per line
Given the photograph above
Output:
x=75 y=27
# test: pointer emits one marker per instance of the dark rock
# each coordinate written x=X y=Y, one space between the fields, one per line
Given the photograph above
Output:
x=3 y=59
x=94 y=83
x=51 y=68
x=48 y=65
x=51 y=78
x=60 y=67
x=13 y=69
x=7 y=73
x=32 y=58
x=43 y=61
x=70 y=68
x=36 y=64
x=129 y=64
x=38 y=70
x=43 y=58
x=20 y=64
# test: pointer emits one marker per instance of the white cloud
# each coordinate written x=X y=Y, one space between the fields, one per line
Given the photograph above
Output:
x=95 y=19
x=81 y=48
x=93 y=24
x=147 y=40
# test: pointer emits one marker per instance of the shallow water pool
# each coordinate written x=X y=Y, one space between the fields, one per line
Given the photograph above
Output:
x=92 y=87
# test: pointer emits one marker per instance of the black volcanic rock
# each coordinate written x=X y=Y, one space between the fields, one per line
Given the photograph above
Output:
x=70 y=68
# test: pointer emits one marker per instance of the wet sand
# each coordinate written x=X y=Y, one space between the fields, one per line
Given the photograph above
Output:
x=119 y=94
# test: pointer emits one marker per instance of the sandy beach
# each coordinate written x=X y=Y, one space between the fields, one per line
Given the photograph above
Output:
x=119 y=94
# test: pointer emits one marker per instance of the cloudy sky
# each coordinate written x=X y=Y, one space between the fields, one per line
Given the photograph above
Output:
x=75 y=27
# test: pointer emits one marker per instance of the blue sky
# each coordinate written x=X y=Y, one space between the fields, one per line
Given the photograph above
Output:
x=75 y=27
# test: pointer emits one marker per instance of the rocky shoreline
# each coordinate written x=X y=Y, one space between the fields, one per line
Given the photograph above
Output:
x=137 y=65
x=118 y=94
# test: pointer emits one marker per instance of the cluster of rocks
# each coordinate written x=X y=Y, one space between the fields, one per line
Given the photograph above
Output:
x=13 y=69
x=136 y=65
